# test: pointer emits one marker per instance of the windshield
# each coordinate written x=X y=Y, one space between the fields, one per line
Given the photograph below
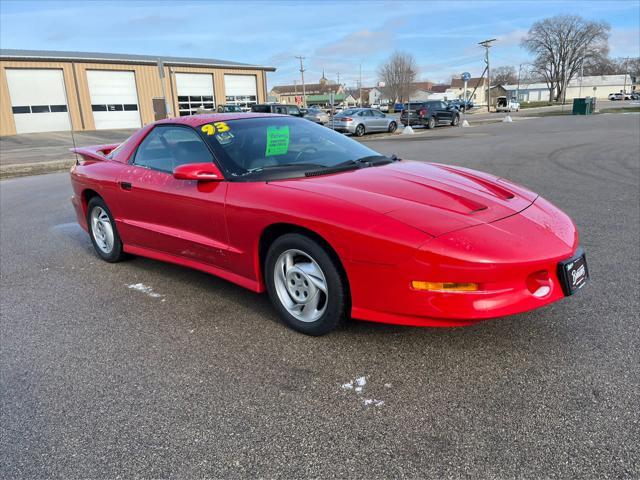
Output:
x=349 y=111
x=247 y=148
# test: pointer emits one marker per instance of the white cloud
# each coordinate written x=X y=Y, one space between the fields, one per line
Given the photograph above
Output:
x=624 y=42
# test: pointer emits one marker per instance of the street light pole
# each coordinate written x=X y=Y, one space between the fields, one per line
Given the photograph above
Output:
x=360 y=86
x=304 y=92
x=487 y=45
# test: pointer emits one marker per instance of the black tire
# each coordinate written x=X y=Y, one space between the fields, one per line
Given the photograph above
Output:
x=455 y=121
x=116 y=253
x=393 y=127
x=337 y=300
x=359 y=130
x=431 y=123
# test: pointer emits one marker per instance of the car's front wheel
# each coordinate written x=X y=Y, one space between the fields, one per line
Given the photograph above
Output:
x=455 y=121
x=306 y=285
x=392 y=127
x=102 y=230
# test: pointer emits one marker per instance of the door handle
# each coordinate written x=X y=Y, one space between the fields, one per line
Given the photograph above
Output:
x=125 y=185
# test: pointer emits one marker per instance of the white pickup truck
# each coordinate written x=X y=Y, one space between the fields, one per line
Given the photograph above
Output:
x=504 y=105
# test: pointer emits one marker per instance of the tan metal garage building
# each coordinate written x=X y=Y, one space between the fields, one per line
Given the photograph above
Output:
x=43 y=91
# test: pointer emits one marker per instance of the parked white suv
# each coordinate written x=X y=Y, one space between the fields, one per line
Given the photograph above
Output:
x=504 y=105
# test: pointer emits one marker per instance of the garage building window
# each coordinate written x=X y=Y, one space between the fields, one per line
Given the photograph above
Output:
x=38 y=108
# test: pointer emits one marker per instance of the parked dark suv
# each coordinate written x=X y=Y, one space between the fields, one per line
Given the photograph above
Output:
x=292 y=110
x=430 y=114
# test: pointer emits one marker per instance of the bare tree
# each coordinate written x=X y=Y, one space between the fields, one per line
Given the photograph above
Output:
x=398 y=73
x=561 y=44
x=601 y=66
x=504 y=75
x=614 y=66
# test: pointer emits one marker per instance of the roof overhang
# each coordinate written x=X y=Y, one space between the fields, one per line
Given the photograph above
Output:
x=132 y=61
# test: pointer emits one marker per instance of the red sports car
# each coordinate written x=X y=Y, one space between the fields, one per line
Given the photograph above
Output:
x=328 y=227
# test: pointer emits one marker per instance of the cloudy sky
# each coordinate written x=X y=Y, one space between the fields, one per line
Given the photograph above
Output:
x=338 y=36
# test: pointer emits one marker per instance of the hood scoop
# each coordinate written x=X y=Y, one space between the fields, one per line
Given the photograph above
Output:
x=466 y=203
x=497 y=190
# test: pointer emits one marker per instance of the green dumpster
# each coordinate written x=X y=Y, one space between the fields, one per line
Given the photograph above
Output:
x=581 y=106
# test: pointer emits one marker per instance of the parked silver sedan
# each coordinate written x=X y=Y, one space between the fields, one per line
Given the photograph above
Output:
x=359 y=121
x=317 y=116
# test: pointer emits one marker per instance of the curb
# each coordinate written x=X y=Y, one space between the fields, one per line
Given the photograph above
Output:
x=422 y=131
x=36 y=168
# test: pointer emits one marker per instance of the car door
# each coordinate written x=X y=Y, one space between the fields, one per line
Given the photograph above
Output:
x=183 y=218
x=379 y=120
x=444 y=113
x=368 y=120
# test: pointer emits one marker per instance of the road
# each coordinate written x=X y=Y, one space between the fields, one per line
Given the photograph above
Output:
x=100 y=378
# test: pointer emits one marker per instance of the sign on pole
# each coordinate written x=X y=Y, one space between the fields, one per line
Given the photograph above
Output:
x=465 y=76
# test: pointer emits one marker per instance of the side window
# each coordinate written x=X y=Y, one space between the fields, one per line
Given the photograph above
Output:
x=293 y=111
x=367 y=113
x=377 y=113
x=168 y=147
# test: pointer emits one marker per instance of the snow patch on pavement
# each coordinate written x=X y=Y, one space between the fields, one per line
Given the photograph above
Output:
x=358 y=385
x=147 y=290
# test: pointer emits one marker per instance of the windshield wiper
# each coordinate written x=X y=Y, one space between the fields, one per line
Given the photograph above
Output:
x=282 y=165
x=369 y=161
x=340 y=167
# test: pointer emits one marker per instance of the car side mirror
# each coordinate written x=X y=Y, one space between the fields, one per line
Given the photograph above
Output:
x=201 y=172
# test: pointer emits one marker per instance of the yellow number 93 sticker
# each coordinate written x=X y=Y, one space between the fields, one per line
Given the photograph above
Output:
x=216 y=127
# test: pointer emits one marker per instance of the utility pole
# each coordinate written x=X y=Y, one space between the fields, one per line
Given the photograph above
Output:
x=626 y=69
x=295 y=91
x=487 y=45
x=338 y=78
x=360 y=86
x=304 y=93
x=167 y=108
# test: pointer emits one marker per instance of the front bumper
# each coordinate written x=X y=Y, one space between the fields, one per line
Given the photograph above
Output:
x=510 y=260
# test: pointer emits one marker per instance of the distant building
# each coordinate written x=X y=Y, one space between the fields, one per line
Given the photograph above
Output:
x=476 y=90
x=43 y=91
x=420 y=91
x=599 y=86
x=350 y=101
x=316 y=93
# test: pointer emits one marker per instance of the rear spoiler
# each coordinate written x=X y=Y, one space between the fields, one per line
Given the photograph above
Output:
x=95 y=152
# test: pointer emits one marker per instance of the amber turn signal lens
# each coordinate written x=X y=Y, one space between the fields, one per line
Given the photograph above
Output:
x=444 y=286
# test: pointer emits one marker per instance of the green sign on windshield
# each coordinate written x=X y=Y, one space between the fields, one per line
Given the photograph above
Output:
x=277 y=141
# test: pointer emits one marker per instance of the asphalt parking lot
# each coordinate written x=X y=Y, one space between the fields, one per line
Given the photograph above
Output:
x=189 y=376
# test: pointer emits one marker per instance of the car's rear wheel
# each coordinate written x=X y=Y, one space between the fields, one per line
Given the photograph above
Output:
x=359 y=130
x=102 y=230
x=431 y=123
x=393 y=127
x=455 y=121
x=306 y=285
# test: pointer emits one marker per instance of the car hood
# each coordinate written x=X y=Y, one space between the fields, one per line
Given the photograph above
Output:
x=433 y=198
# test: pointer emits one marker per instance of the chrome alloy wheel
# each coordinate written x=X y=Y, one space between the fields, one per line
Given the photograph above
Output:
x=102 y=230
x=301 y=286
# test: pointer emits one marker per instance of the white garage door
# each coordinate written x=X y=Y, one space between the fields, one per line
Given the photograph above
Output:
x=38 y=100
x=195 y=90
x=114 y=99
x=241 y=89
